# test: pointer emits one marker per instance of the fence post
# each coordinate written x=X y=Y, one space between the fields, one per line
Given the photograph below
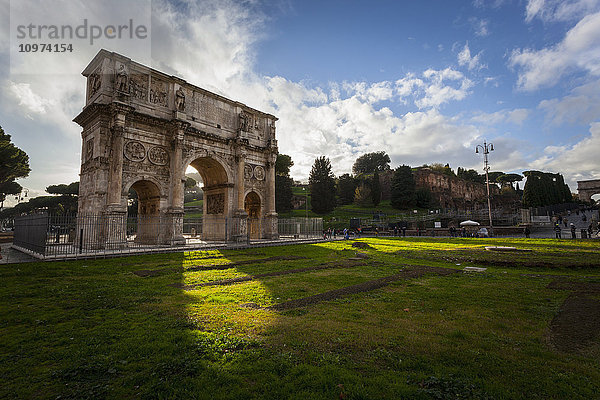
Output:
x=81 y=241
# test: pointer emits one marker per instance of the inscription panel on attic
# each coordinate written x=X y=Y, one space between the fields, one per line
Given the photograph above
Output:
x=143 y=128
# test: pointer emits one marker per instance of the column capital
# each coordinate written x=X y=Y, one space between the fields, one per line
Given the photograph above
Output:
x=178 y=129
x=119 y=112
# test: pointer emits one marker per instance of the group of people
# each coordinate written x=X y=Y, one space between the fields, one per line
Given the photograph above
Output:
x=559 y=220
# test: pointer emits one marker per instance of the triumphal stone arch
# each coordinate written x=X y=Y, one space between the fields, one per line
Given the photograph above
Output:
x=587 y=189
x=143 y=128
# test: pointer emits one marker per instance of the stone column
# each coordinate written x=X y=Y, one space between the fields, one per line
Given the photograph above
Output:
x=239 y=225
x=115 y=173
x=270 y=221
x=176 y=211
x=114 y=220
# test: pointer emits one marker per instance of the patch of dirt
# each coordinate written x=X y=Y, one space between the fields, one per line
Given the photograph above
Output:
x=577 y=323
x=408 y=273
x=344 y=264
x=518 y=263
x=361 y=245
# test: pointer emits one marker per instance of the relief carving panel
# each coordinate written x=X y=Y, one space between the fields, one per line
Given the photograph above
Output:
x=138 y=86
x=158 y=92
x=215 y=203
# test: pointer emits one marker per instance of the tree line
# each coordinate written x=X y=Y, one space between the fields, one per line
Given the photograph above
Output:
x=363 y=186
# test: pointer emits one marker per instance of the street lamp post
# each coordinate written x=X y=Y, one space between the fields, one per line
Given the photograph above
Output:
x=486 y=148
x=306 y=214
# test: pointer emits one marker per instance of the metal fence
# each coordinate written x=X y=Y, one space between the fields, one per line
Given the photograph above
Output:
x=52 y=236
x=300 y=227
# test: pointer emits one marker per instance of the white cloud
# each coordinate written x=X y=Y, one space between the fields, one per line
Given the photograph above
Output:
x=576 y=162
x=581 y=106
x=438 y=93
x=516 y=116
x=28 y=99
x=579 y=50
x=480 y=26
x=559 y=10
x=465 y=59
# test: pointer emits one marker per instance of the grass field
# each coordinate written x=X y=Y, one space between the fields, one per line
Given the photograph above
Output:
x=151 y=327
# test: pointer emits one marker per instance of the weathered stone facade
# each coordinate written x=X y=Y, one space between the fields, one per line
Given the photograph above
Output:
x=143 y=128
x=586 y=189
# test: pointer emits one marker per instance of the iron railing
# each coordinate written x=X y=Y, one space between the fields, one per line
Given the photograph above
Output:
x=66 y=236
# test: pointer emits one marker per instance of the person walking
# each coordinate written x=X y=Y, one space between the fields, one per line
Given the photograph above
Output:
x=573 y=233
x=527 y=231
x=557 y=231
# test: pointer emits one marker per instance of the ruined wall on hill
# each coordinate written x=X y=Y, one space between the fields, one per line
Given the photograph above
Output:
x=451 y=191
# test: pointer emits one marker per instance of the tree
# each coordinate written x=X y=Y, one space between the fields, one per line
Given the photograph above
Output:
x=443 y=169
x=346 y=187
x=362 y=195
x=64 y=201
x=190 y=182
x=283 y=193
x=423 y=198
x=8 y=188
x=403 y=187
x=283 y=164
x=508 y=179
x=494 y=175
x=371 y=162
x=322 y=186
x=375 y=188
x=283 y=183
x=470 y=175
x=14 y=164
x=543 y=189
x=71 y=189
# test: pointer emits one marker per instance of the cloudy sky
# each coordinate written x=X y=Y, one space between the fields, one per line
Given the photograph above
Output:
x=425 y=81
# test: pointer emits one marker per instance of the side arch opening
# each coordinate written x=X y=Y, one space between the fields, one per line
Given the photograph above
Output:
x=143 y=208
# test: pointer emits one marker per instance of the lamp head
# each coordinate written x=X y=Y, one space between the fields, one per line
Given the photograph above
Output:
x=491 y=147
x=477 y=150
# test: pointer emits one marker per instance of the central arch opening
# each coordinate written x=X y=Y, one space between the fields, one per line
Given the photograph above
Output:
x=209 y=222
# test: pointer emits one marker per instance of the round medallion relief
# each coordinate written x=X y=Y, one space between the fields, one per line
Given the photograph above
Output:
x=247 y=172
x=134 y=151
x=259 y=172
x=158 y=155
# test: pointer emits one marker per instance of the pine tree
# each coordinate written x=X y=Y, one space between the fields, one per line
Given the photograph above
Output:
x=283 y=183
x=346 y=186
x=375 y=189
x=14 y=164
x=322 y=186
x=403 y=187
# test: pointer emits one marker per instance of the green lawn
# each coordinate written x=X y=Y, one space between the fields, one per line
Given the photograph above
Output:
x=94 y=329
x=195 y=203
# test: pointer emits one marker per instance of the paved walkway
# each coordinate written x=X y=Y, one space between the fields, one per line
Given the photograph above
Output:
x=10 y=256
